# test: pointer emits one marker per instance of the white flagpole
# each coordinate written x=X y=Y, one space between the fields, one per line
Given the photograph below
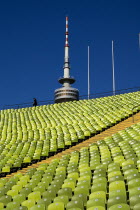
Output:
x=88 y=76
x=113 y=68
x=139 y=40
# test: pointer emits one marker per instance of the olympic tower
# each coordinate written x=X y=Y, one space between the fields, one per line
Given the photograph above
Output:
x=66 y=92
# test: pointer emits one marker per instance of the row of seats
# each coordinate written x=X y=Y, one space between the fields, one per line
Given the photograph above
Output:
x=105 y=175
x=30 y=134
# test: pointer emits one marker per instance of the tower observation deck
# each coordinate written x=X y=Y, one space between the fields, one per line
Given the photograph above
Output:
x=66 y=92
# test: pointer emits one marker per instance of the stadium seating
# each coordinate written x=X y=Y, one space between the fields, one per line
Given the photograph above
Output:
x=75 y=182
x=34 y=133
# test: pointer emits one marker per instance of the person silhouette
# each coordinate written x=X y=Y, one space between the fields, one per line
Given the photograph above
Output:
x=34 y=102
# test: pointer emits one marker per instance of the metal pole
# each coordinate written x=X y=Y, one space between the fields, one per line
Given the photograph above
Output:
x=113 y=68
x=88 y=76
x=139 y=40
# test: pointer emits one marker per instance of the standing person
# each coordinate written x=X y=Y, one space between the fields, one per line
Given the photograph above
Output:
x=34 y=102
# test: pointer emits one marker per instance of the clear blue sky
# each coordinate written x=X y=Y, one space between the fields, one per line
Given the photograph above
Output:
x=32 y=34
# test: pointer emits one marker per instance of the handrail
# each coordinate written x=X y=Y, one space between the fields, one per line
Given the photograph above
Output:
x=117 y=91
x=133 y=114
x=95 y=95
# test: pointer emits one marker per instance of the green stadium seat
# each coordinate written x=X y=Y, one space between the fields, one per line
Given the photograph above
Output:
x=130 y=172
x=65 y=191
x=1 y=205
x=135 y=199
x=116 y=200
x=63 y=198
x=98 y=194
x=137 y=207
x=28 y=203
x=133 y=176
x=69 y=185
x=19 y=198
x=17 y=187
x=133 y=183
x=118 y=193
x=49 y=194
x=75 y=209
x=12 y=205
x=25 y=191
x=73 y=175
x=81 y=190
x=5 y=199
x=96 y=202
x=116 y=178
x=82 y=197
x=75 y=204
x=84 y=182
x=38 y=206
x=114 y=173
x=117 y=185
x=99 y=180
x=119 y=206
x=56 y=206
x=6 y=169
x=34 y=196
x=21 y=208
x=69 y=179
x=40 y=188
x=96 y=208
x=134 y=191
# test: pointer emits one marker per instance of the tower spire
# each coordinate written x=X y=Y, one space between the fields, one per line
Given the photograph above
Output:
x=67 y=32
x=66 y=93
x=66 y=57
